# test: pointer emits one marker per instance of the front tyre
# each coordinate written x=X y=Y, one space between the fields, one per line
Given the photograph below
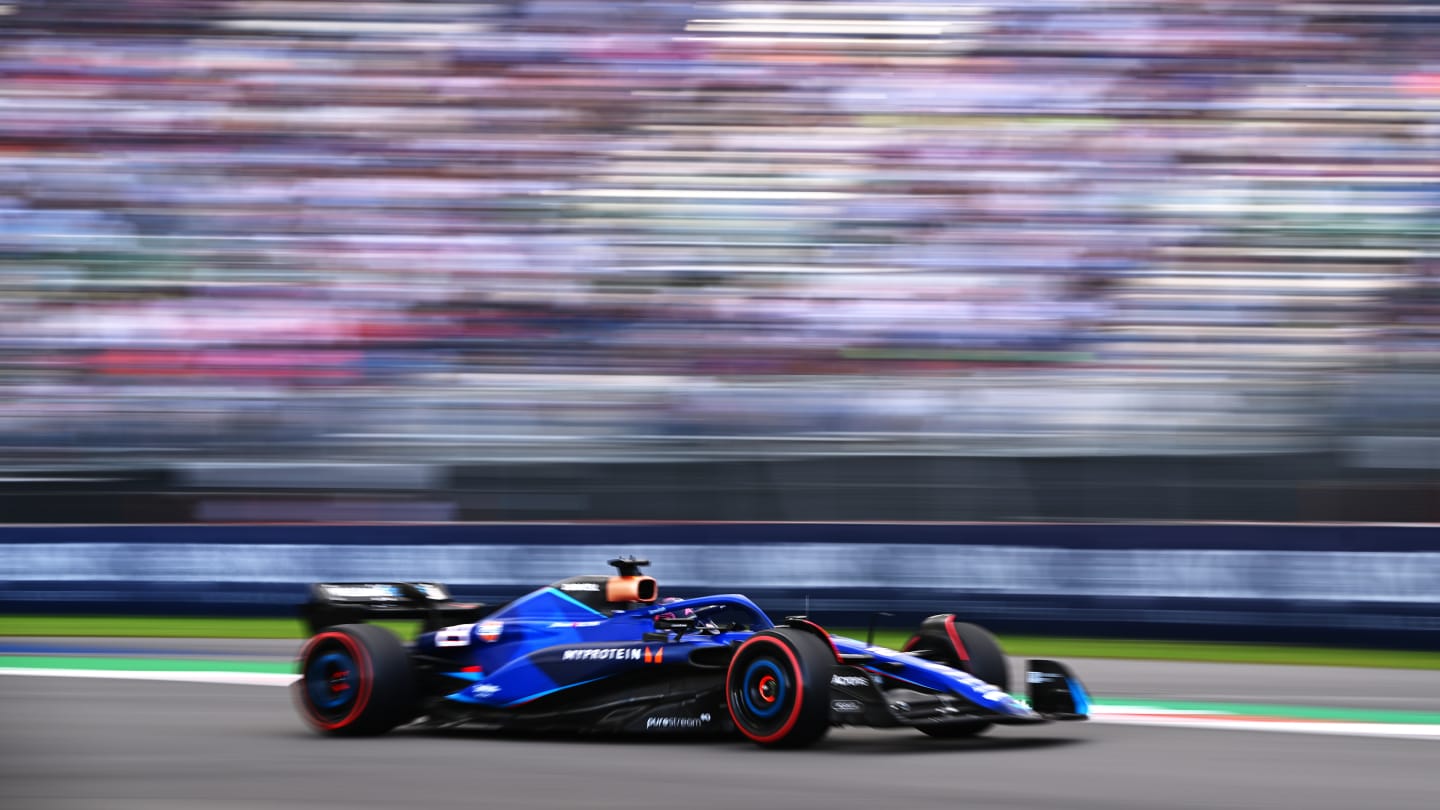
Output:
x=355 y=680
x=778 y=688
x=966 y=647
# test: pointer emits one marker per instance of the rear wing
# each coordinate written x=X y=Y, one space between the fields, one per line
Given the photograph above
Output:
x=333 y=603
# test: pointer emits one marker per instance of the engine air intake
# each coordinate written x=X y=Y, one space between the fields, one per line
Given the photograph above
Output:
x=631 y=589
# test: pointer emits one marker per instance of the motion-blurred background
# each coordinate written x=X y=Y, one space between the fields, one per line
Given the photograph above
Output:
x=307 y=260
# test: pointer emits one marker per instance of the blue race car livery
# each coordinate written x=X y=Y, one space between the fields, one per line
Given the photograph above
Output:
x=604 y=654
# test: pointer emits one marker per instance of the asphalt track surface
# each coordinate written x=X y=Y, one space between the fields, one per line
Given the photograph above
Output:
x=94 y=744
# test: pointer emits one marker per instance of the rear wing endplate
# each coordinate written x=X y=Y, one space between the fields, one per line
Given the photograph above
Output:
x=333 y=603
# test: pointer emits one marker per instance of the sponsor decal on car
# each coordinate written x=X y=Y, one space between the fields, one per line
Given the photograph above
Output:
x=484 y=689
x=847 y=706
x=849 y=680
x=371 y=591
x=433 y=590
x=489 y=631
x=604 y=654
x=457 y=635
x=648 y=655
x=593 y=587
x=678 y=722
x=577 y=624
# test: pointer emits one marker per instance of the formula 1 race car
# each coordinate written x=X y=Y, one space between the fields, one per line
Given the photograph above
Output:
x=603 y=653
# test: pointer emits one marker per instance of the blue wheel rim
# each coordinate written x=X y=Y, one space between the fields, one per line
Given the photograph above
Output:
x=332 y=681
x=755 y=676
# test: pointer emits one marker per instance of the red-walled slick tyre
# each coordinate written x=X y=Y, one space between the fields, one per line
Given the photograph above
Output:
x=778 y=688
x=966 y=647
x=355 y=680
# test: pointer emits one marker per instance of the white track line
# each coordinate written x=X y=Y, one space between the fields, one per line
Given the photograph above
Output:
x=1196 y=718
x=235 y=678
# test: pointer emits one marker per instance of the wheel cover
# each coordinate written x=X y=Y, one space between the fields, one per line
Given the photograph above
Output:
x=332 y=682
x=764 y=688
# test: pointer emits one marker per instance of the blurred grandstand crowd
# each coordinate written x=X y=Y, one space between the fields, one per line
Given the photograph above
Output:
x=421 y=232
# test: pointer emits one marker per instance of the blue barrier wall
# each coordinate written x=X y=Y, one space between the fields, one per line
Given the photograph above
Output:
x=1342 y=584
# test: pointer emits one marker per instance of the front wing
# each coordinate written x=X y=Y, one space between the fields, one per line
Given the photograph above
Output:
x=866 y=694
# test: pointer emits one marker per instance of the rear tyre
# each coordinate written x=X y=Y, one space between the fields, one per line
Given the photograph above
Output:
x=355 y=680
x=966 y=647
x=778 y=688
